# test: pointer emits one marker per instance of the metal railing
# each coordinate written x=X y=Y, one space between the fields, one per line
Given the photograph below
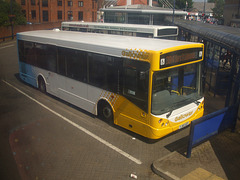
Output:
x=2 y=39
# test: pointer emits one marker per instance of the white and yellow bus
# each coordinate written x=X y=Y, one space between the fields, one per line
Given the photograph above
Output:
x=149 y=86
x=149 y=31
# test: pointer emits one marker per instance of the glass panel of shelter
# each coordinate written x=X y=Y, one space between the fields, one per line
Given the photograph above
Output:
x=221 y=68
x=217 y=63
x=215 y=76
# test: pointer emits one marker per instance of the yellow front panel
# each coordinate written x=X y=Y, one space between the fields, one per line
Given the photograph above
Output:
x=160 y=127
x=131 y=117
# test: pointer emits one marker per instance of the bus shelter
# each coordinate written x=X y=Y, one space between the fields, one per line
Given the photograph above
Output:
x=222 y=56
x=221 y=76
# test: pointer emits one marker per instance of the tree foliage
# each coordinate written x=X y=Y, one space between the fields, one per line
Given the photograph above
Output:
x=211 y=1
x=218 y=9
x=5 y=11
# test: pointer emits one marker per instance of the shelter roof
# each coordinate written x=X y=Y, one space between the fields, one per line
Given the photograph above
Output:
x=226 y=36
x=140 y=8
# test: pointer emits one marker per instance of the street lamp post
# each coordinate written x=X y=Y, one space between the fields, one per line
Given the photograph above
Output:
x=204 y=6
x=173 y=11
x=11 y=19
x=39 y=4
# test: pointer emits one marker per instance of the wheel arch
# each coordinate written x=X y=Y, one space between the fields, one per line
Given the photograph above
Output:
x=39 y=77
x=104 y=100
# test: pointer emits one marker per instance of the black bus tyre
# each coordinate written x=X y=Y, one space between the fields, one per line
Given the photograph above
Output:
x=41 y=85
x=105 y=112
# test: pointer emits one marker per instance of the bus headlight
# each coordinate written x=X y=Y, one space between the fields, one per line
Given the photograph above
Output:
x=162 y=123
x=160 y=120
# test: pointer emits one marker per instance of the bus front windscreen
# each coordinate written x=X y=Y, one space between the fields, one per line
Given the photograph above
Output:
x=176 y=87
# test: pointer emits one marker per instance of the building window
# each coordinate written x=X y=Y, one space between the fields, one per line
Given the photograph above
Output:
x=93 y=19
x=33 y=12
x=59 y=15
x=80 y=3
x=59 y=2
x=23 y=2
x=80 y=15
x=70 y=3
x=45 y=15
x=44 y=3
x=33 y=2
x=70 y=15
x=93 y=4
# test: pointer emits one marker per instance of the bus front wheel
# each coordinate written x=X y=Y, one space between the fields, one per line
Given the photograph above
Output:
x=105 y=112
x=41 y=85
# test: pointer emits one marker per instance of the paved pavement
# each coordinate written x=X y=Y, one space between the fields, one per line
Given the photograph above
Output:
x=220 y=156
x=217 y=158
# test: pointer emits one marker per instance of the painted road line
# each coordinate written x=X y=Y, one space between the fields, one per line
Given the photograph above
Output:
x=6 y=46
x=79 y=127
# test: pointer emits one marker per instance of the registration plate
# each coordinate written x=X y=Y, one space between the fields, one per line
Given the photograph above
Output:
x=183 y=125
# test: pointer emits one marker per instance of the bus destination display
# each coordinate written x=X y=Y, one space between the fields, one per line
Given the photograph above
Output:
x=180 y=57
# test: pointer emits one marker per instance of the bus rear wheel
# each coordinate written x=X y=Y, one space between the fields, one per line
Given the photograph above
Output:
x=105 y=112
x=41 y=85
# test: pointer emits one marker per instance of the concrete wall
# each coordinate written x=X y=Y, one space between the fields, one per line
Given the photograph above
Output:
x=7 y=31
x=231 y=11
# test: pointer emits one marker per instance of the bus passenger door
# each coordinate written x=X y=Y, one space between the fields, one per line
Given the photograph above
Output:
x=133 y=111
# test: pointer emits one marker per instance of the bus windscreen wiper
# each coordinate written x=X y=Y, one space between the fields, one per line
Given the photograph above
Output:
x=169 y=114
x=197 y=102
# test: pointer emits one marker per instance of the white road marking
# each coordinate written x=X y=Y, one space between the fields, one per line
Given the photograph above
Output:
x=6 y=46
x=79 y=127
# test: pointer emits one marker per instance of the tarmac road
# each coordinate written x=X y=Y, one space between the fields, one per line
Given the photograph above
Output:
x=43 y=137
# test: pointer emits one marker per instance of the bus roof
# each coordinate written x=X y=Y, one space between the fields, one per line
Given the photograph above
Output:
x=100 y=43
x=104 y=25
x=158 y=31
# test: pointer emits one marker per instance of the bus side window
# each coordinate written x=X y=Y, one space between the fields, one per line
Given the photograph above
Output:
x=130 y=81
x=46 y=56
x=76 y=64
x=105 y=72
x=21 y=51
x=61 y=62
x=29 y=53
x=51 y=58
x=97 y=70
x=114 y=73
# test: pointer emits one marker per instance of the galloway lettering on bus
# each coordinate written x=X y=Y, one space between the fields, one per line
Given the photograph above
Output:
x=183 y=116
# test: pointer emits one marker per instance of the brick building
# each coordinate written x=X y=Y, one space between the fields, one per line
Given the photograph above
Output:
x=231 y=13
x=39 y=11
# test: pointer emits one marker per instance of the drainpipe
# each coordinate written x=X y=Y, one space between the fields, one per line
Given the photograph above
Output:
x=129 y=2
x=150 y=3
x=173 y=11
x=39 y=10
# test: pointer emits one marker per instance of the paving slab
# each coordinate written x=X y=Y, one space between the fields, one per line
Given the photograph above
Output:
x=218 y=158
x=200 y=174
